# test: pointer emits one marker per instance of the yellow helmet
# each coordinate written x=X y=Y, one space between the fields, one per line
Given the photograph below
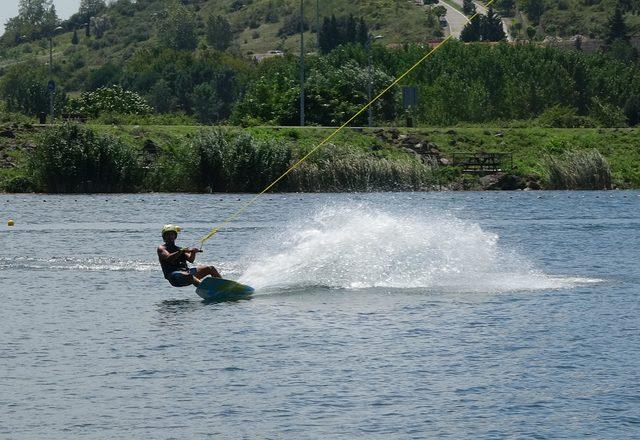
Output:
x=171 y=228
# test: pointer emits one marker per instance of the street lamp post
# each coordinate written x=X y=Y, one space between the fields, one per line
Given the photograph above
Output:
x=302 y=63
x=51 y=87
x=370 y=38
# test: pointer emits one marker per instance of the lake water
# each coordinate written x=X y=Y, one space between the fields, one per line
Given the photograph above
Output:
x=412 y=315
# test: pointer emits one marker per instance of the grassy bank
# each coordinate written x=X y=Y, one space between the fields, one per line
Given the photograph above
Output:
x=182 y=158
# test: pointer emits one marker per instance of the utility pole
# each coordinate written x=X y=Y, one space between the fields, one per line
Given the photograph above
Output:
x=318 y=25
x=370 y=38
x=301 y=63
x=52 y=85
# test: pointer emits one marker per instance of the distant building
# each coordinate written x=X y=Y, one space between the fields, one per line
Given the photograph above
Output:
x=270 y=54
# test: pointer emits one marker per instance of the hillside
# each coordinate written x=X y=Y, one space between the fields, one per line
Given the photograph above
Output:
x=565 y=18
x=257 y=26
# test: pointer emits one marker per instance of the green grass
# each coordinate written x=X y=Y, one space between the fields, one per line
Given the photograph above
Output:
x=529 y=146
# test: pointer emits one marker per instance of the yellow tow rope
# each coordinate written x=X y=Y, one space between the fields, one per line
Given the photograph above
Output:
x=252 y=200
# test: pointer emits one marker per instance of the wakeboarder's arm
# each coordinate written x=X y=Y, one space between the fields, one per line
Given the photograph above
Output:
x=191 y=254
x=169 y=257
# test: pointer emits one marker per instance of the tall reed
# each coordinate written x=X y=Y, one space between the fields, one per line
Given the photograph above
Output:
x=360 y=173
x=71 y=158
x=577 y=169
x=221 y=163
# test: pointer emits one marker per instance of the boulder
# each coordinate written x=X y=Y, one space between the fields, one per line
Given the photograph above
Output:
x=533 y=182
x=502 y=181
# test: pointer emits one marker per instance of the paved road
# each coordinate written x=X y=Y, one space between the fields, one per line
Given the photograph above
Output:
x=480 y=8
x=456 y=19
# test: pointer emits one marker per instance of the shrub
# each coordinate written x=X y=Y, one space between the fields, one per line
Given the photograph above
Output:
x=577 y=169
x=70 y=158
x=114 y=100
x=239 y=164
x=563 y=117
x=18 y=184
x=608 y=115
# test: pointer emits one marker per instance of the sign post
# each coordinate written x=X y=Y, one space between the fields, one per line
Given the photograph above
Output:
x=409 y=102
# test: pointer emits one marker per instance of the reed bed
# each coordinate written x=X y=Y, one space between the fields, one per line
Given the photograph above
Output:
x=360 y=173
x=577 y=169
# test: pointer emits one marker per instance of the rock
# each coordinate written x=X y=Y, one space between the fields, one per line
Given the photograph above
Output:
x=499 y=134
x=420 y=148
x=394 y=132
x=150 y=147
x=410 y=151
x=444 y=161
x=376 y=147
x=533 y=182
x=502 y=181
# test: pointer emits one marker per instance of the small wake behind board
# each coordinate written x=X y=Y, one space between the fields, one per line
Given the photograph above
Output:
x=219 y=289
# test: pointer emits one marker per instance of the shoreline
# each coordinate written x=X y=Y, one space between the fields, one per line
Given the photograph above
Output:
x=357 y=160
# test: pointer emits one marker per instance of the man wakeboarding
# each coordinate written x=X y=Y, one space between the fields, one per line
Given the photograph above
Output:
x=174 y=261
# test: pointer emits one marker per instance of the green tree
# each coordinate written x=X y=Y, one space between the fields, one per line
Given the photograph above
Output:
x=472 y=31
x=23 y=88
x=90 y=8
x=484 y=28
x=363 y=32
x=161 y=97
x=440 y=11
x=534 y=9
x=506 y=7
x=468 y=7
x=219 y=33
x=178 y=29
x=492 y=29
x=632 y=110
x=343 y=30
x=35 y=19
x=74 y=38
x=616 y=28
x=206 y=103
x=105 y=76
x=531 y=32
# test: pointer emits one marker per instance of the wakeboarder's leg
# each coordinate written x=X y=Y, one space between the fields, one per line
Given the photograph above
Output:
x=203 y=271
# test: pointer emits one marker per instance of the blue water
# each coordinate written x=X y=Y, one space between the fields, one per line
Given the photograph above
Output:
x=437 y=315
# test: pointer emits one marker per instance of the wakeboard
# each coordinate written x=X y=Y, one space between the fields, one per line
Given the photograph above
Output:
x=219 y=289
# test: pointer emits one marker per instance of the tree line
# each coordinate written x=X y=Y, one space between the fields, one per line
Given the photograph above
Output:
x=460 y=83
